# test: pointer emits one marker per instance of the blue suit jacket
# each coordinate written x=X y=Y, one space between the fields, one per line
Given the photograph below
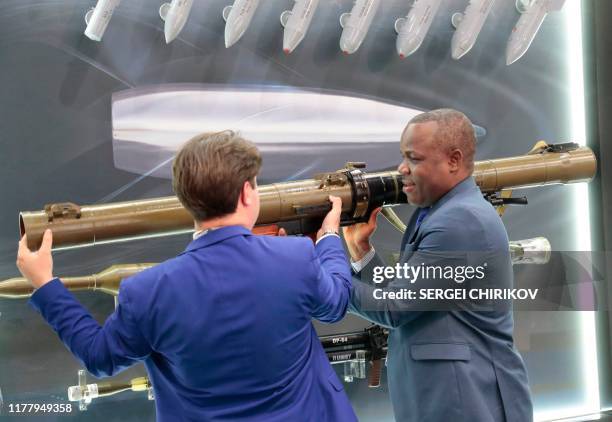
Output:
x=451 y=365
x=224 y=329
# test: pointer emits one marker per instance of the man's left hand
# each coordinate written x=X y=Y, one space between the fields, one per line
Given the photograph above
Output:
x=37 y=266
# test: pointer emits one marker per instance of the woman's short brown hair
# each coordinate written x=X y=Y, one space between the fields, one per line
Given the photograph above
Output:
x=210 y=170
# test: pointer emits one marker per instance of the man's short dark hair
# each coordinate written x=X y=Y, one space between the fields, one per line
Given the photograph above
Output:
x=455 y=131
x=210 y=170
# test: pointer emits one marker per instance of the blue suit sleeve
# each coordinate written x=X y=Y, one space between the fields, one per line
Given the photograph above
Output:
x=333 y=280
x=392 y=313
x=105 y=350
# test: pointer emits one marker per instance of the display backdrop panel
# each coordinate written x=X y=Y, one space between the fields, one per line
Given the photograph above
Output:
x=62 y=133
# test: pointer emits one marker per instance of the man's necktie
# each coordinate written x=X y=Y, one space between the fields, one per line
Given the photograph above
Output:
x=420 y=217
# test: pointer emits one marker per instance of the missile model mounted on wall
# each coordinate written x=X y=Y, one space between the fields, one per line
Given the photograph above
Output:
x=530 y=251
x=469 y=26
x=299 y=206
x=356 y=23
x=412 y=29
x=528 y=25
x=107 y=281
x=237 y=19
x=84 y=393
x=296 y=23
x=97 y=19
x=175 y=17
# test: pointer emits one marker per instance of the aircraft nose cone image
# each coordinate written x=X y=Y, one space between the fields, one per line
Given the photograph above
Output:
x=318 y=126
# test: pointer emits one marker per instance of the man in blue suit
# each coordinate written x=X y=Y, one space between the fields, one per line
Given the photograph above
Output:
x=445 y=362
x=224 y=329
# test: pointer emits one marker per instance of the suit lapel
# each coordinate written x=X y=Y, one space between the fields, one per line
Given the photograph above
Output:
x=408 y=234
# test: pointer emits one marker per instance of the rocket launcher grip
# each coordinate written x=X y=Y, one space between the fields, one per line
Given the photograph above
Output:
x=298 y=205
x=357 y=349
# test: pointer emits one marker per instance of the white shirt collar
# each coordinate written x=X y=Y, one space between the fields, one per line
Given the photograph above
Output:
x=202 y=232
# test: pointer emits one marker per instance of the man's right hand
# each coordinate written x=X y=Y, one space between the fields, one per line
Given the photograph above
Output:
x=331 y=222
x=357 y=236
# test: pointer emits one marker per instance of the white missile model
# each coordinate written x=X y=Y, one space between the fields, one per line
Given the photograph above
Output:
x=175 y=16
x=97 y=19
x=296 y=23
x=237 y=19
x=356 y=24
x=412 y=29
x=470 y=26
x=530 y=251
x=527 y=27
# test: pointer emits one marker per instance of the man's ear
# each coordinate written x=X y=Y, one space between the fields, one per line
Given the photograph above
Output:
x=455 y=160
x=246 y=195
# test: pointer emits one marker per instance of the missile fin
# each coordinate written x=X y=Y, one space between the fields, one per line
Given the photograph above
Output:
x=523 y=5
x=399 y=23
x=163 y=11
x=284 y=17
x=479 y=132
x=456 y=19
x=88 y=15
x=226 y=12
x=344 y=19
